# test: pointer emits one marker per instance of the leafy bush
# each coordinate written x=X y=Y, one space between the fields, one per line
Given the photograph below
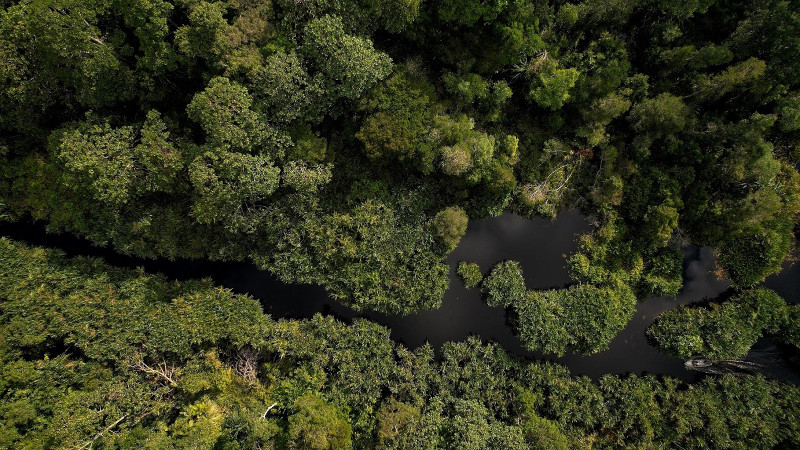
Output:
x=749 y=259
x=582 y=318
x=450 y=224
x=719 y=331
x=790 y=331
x=504 y=285
x=470 y=274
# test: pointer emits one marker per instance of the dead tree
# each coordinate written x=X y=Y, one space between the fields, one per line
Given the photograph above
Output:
x=246 y=364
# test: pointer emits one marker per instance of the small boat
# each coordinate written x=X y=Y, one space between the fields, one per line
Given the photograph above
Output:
x=696 y=363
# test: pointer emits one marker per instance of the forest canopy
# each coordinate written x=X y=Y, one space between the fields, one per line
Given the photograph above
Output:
x=349 y=144
x=209 y=370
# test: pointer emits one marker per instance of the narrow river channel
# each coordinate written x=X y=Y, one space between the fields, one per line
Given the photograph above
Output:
x=540 y=246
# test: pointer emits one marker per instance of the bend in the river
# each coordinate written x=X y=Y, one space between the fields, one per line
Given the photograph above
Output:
x=539 y=245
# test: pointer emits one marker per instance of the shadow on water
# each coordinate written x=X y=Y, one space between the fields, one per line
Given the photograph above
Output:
x=539 y=245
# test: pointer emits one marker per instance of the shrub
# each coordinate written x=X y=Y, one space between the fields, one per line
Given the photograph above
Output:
x=470 y=274
x=450 y=225
x=504 y=285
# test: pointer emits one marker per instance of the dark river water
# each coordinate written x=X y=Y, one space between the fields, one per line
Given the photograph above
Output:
x=540 y=246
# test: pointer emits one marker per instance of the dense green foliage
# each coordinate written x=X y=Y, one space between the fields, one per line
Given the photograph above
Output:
x=504 y=285
x=582 y=318
x=724 y=330
x=347 y=143
x=213 y=144
x=208 y=370
x=790 y=333
x=469 y=273
x=450 y=224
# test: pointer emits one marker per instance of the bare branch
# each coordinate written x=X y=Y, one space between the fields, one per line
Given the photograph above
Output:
x=161 y=371
x=264 y=416
x=104 y=431
x=246 y=365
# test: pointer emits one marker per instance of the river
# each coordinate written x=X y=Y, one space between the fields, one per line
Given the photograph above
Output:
x=540 y=246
